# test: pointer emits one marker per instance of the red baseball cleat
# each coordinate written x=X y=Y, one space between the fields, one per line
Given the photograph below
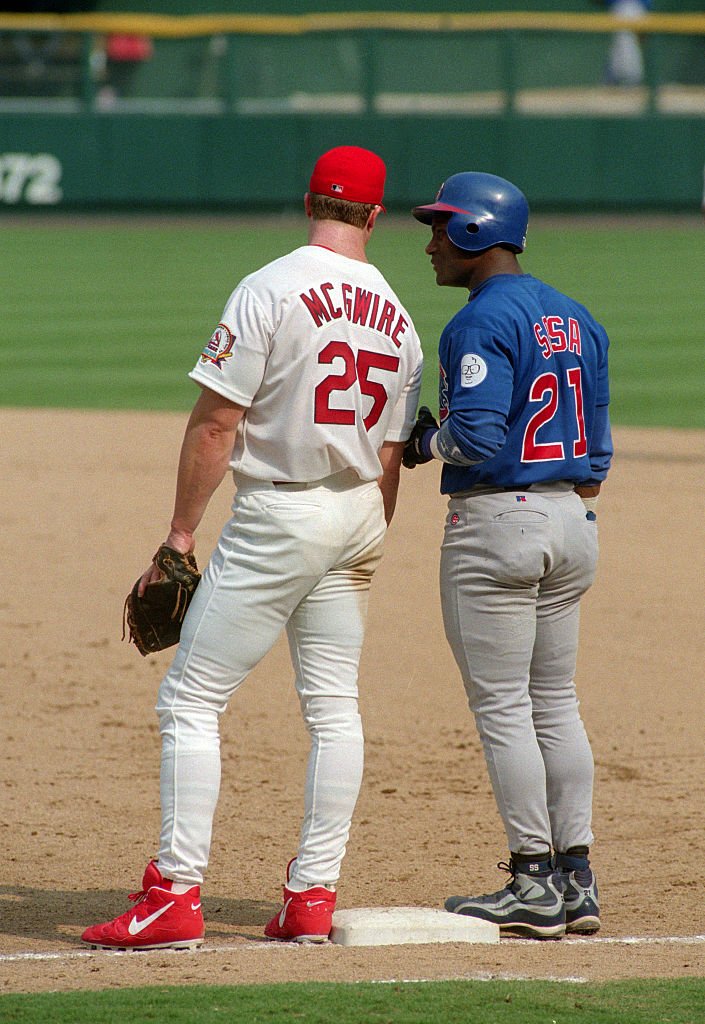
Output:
x=305 y=917
x=160 y=918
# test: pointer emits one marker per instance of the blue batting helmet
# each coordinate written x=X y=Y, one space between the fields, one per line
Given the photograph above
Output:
x=484 y=210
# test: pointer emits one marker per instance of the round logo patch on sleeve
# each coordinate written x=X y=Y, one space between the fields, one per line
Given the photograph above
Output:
x=219 y=347
x=473 y=370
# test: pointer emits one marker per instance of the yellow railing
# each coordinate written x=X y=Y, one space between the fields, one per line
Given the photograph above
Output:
x=170 y=27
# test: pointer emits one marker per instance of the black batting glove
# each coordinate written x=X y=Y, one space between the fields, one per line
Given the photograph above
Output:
x=417 y=448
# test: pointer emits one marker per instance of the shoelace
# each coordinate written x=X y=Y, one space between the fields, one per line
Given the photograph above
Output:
x=137 y=897
x=510 y=868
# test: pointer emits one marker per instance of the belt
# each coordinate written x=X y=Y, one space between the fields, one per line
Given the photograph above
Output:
x=545 y=487
x=341 y=481
x=289 y=485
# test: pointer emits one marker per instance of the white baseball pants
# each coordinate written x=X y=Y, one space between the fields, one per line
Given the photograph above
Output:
x=294 y=556
x=512 y=575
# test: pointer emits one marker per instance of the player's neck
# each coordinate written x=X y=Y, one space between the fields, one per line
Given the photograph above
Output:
x=489 y=264
x=338 y=237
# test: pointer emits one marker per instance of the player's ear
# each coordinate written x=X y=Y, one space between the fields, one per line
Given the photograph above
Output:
x=307 y=204
x=373 y=217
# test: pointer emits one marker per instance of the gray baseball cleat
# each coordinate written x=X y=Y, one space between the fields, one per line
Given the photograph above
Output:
x=531 y=905
x=582 y=909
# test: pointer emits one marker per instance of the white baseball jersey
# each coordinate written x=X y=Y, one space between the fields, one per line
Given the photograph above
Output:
x=326 y=360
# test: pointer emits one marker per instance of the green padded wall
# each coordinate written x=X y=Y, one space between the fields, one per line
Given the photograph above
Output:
x=237 y=163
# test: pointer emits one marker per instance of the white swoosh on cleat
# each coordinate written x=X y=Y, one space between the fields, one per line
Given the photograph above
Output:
x=314 y=903
x=135 y=926
x=195 y=906
x=282 y=916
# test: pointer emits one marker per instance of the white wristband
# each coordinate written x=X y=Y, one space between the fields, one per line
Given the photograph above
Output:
x=590 y=503
x=434 y=447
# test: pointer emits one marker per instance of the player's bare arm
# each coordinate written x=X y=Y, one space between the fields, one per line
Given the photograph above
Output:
x=390 y=456
x=205 y=453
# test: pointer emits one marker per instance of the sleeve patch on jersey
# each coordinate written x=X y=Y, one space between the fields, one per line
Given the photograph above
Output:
x=473 y=370
x=219 y=347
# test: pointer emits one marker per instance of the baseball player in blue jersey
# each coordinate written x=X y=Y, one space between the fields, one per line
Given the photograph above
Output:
x=525 y=443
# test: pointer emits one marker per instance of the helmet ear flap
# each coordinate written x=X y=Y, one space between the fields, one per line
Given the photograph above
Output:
x=483 y=210
x=464 y=231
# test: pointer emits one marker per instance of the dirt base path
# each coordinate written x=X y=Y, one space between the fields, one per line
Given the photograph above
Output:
x=87 y=499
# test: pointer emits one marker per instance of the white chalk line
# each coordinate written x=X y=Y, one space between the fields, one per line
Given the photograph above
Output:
x=644 y=940
x=84 y=954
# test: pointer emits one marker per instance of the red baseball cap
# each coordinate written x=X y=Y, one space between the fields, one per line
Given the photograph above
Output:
x=349 y=172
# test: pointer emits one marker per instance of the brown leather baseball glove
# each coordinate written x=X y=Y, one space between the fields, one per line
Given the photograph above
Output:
x=154 y=620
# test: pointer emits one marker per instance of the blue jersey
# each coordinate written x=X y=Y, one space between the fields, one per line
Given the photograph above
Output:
x=523 y=389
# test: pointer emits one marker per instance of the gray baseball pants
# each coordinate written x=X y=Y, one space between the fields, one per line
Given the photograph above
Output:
x=512 y=574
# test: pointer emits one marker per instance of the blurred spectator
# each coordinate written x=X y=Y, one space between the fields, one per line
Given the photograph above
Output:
x=124 y=49
x=123 y=55
x=625 y=64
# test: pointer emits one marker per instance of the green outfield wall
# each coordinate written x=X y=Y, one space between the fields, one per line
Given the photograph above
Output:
x=88 y=161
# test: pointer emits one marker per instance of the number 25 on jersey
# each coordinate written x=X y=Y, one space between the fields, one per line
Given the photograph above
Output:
x=355 y=369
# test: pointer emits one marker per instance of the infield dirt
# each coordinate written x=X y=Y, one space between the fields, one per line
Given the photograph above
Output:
x=87 y=499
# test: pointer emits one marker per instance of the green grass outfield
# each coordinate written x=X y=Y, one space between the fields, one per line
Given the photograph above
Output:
x=453 y=1002
x=113 y=315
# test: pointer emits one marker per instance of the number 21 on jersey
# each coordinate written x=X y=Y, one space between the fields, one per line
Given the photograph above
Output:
x=546 y=390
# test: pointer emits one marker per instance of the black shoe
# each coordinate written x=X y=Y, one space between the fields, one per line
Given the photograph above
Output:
x=531 y=905
x=582 y=909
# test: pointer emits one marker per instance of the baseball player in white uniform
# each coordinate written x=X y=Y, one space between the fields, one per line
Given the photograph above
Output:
x=309 y=386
